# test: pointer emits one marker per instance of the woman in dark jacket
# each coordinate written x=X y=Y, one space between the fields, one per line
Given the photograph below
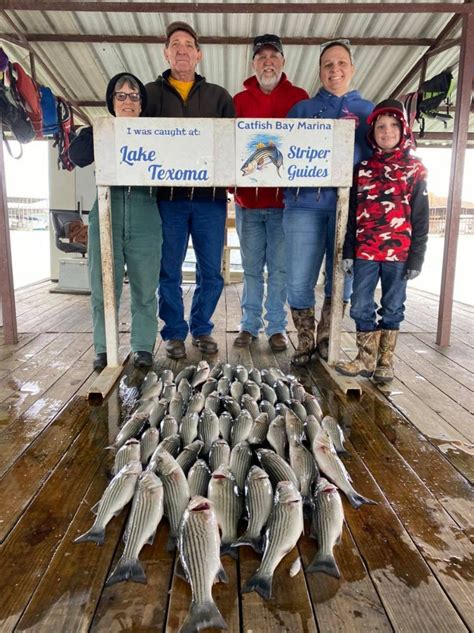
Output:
x=136 y=234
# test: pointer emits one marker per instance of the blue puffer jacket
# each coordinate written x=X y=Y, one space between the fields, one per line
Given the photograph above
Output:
x=325 y=105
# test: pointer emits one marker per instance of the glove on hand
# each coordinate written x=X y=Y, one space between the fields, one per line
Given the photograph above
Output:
x=411 y=274
x=348 y=266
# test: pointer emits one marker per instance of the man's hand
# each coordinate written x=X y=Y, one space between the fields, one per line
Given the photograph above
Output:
x=348 y=266
x=411 y=274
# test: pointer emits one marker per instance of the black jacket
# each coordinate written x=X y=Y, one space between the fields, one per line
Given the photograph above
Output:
x=204 y=101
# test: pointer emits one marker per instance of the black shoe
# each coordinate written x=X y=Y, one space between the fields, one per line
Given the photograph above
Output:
x=175 y=348
x=142 y=360
x=100 y=361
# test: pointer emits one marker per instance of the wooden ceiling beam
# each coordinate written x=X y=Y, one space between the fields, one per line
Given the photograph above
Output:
x=160 y=39
x=237 y=7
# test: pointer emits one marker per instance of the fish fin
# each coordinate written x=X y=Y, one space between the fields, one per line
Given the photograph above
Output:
x=171 y=544
x=127 y=569
x=95 y=535
x=226 y=548
x=260 y=583
x=151 y=538
x=95 y=508
x=221 y=576
x=179 y=570
x=203 y=615
x=356 y=500
x=342 y=451
x=112 y=447
x=325 y=564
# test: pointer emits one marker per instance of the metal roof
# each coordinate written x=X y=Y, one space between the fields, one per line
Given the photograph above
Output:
x=80 y=70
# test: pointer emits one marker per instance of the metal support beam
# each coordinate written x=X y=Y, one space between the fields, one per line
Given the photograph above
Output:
x=127 y=38
x=237 y=7
x=7 y=290
x=460 y=132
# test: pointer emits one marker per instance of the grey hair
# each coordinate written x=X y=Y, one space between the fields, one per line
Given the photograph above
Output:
x=127 y=79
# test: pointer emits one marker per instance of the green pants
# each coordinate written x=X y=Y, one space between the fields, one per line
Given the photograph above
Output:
x=136 y=234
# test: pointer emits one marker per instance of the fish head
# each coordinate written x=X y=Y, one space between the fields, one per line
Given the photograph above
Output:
x=324 y=485
x=256 y=472
x=223 y=472
x=286 y=493
x=200 y=504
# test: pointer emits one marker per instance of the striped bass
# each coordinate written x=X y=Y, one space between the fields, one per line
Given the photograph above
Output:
x=240 y=462
x=145 y=516
x=224 y=494
x=199 y=556
x=132 y=427
x=276 y=435
x=284 y=527
x=129 y=452
x=116 y=496
x=276 y=467
x=176 y=492
x=327 y=523
x=220 y=454
x=148 y=443
x=259 y=503
x=335 y=433
x=330 y=464
x=189 y=455
x=198 y=478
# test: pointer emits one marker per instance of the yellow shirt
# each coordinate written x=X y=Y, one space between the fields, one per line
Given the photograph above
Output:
x=182 y=87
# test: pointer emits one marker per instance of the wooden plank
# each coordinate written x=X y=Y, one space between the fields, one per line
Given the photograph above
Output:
x=456 y=351
x=290 y=607
x=350 y=602
x=428 y=525
x=31 y=345
x=76 y=569
x=39 y=533
x=130 y=606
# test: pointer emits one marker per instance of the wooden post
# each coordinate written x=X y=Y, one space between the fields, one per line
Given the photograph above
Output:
x=342 y=211
x=460 y=132
x=108 y=277
x=7 y=290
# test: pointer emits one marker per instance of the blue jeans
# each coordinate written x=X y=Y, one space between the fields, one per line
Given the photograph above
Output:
x=309 y=235
x=262 y=242
x=363 y=307
x=204 y=221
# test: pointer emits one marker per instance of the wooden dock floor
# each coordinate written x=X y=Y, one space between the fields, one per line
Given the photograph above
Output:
x=406 y=563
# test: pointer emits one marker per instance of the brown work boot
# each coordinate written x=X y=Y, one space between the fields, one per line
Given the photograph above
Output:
x=322 y=331
x=278 y=342
x=384 y=370
x=175 y=348
x=206 y=343
x=243 y=339
x=304 y=324
x=365 y=361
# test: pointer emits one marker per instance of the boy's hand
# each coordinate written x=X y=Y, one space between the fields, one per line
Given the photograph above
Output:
x=348 y=266
x=411 y=274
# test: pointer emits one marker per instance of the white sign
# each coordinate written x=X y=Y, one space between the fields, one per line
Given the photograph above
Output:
x=224 y=152
x=293 y=152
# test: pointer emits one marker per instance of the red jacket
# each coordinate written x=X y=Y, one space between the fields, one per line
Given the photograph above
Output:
x=253 y=103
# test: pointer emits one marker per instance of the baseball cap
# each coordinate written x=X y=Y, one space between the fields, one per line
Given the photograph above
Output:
x=267 y=40
x=181 y=26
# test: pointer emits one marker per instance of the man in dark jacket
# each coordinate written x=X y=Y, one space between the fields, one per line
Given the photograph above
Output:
x=196 y=212
x=259 y=212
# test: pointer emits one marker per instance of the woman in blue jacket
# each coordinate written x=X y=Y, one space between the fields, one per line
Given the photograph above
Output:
x=309 y=219
x=136 y=235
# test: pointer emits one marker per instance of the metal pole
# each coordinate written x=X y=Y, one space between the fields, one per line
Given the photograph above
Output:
x=7 y=290
x=342 y=211
x=108 y=281
x=460 y=132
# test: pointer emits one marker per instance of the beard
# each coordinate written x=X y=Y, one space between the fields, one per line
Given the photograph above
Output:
x=269 y=82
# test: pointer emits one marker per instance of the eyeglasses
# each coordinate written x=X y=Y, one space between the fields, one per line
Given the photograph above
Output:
x=133 y=96
x=340 y=42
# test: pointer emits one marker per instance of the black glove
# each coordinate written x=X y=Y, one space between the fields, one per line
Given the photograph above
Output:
x=411 y=274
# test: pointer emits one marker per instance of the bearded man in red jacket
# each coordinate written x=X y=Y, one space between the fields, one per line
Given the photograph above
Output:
x=259 y=211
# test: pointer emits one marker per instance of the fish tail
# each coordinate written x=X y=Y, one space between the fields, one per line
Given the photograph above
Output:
x=127 y=569
x=256 y=543
x=356 y=500
x=325 y=564
x=226 y=548
x=95 y=534
x=341 y=451
x=202 y=616
x=260 y=583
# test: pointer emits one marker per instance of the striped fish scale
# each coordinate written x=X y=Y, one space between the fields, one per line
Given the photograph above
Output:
x=276 y=467
x=240 y=462
x=145 y=514
x=242 y=427
x=223 y=492
x=220 y=454
x=148 y=443
x=208 y=429
x=129 y=452
x=189 y=454
x=168 y=426
x=189 y=428
x=327 y=525
x=198 y=478
x=176 y=489
x=259 y=503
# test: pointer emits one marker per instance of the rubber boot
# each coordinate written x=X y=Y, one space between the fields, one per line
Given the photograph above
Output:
x=366 y=360
x=384 y=370
x=304 y=323
x=322 y=332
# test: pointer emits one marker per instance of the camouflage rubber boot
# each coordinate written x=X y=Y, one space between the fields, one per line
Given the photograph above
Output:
x=304 y=323
x=384 y=370
x=322 y=332
x=365 y=362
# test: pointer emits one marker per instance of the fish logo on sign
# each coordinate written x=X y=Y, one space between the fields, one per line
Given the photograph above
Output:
x=265 y=153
